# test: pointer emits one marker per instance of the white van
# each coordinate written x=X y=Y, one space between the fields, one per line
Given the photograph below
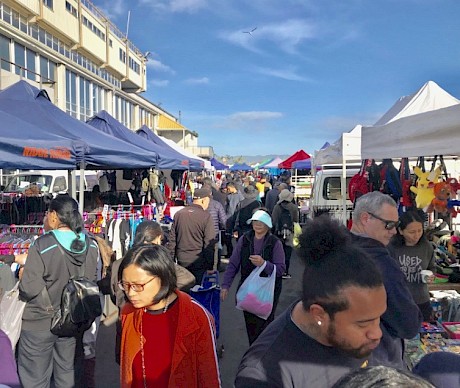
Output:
x=326 y=195
x=47 y=181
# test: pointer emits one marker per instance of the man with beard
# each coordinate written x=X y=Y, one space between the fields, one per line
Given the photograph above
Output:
x=333 y=329
x=375 y=220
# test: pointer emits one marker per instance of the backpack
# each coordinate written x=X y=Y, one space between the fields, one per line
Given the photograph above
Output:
x=285 y=225
x=390 y=180
x=358 y=184
x=80 y=304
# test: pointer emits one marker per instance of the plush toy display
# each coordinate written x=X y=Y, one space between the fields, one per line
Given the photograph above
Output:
x=443 y=192
x=425 y=186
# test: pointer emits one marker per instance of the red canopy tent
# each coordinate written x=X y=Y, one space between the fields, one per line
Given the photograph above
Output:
x=299 y=155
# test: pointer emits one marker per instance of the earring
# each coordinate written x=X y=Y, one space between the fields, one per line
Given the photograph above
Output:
x=319 y=323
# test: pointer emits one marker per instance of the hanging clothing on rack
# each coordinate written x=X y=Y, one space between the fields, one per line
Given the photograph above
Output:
x=118 y=236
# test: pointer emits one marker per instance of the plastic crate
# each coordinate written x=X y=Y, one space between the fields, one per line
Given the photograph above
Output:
x=448 y=327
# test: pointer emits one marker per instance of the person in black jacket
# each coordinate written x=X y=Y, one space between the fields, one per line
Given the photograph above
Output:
x=51 y=260
x=375 y=220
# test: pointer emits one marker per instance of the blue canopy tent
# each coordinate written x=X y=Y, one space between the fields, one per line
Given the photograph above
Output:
x=240 y=167
x=104 y=122
x=218 y=165
x=27 y=146
x=100 y=151
x=185 y=161
x=304 y=164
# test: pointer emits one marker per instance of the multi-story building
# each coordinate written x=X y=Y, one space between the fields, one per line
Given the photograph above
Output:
x=86 y=64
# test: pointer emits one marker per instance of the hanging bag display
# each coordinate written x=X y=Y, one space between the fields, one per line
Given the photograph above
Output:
x=257 y=293
x=11 y=310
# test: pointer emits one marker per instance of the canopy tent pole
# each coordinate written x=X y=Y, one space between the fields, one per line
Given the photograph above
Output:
x=343 y=191
x=73 y=184
x=81 y=203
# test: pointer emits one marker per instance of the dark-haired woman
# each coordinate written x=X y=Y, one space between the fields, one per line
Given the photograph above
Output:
x=168 y=339
x=51 y=260
x=253 y=249
x=414 y=254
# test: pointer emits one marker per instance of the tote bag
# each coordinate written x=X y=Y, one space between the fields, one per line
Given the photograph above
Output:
x=256 y=294
x=11 y=310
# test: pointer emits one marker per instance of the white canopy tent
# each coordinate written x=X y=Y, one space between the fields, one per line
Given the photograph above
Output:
x=425 y=134
x=429 y=98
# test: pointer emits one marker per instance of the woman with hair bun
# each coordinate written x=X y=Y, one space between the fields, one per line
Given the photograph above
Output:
x=51 y=261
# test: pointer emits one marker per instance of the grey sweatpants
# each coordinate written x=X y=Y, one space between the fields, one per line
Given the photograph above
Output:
x=41 y=354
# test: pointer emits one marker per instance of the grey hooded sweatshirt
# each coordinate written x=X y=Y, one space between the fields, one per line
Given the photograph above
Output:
x=46 y=267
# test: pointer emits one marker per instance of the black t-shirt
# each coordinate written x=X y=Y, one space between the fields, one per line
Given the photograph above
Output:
x=284 y=356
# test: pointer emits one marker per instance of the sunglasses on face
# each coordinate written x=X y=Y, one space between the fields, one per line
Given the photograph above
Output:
x=388 y=224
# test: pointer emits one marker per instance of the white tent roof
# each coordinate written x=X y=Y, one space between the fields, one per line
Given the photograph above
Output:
x=274 y=163
x=188 y=154
x=429 y=97
x=425 y=134
x=347 y=147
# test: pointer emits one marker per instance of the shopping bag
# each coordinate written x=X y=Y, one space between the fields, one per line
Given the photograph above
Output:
x=208 y=295
x=11 y=309
x=256 y=294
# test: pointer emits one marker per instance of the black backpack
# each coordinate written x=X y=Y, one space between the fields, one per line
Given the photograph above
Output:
x=285 y=225
x=80 y=304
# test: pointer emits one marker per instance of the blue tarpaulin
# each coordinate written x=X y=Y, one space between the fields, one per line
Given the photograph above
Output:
x=218 y=165
x=108 y=124
x=99 y=149
x=186 y=162
x=304 y=164
x=26 y=146
x=240 y=167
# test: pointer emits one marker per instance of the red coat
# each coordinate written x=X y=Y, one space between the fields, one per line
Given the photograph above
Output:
x=194 y=361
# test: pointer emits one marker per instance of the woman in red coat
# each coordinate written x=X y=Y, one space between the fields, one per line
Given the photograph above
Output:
x=168 y=339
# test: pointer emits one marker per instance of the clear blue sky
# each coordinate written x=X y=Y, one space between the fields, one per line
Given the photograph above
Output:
x=311 y=70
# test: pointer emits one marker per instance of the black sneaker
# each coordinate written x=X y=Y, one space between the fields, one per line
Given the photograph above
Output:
x=286 y=276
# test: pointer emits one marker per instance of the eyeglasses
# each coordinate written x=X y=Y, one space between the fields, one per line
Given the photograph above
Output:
x=388 y=224
x=125 y=286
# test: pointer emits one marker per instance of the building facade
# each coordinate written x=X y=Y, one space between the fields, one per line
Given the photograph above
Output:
x=85 y=63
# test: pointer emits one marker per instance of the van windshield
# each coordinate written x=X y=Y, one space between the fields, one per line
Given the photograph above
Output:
x=19 y=183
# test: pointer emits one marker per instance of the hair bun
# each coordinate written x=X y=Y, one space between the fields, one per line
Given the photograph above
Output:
x=320 y=237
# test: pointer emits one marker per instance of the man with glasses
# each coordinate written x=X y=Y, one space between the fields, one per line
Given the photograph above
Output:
x=375 y=220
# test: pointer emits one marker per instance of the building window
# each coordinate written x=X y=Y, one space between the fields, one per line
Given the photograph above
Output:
x=6 y=13
x=5 y=53
x=71 y=93
x=47 y=69
x=48 y=3
x=19 y=59
x=122 y=55
x=70 y=8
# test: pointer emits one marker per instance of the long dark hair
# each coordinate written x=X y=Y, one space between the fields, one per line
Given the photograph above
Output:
x=146 y=232
x=405 y=219
x=66 y=209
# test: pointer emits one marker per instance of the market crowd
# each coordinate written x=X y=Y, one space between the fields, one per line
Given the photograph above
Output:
x=347 y=329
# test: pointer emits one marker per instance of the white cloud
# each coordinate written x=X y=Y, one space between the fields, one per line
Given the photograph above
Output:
x=114 y=8
x=197 y=81
x=254 y=116
x=156 y=65
x=289 y=73
x=159 y=83
x=287 y=35
x=189 y=6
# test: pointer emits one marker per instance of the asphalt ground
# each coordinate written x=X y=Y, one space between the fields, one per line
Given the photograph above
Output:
x=232 y=337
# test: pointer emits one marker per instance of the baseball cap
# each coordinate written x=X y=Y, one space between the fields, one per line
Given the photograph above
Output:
x=201 y=193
